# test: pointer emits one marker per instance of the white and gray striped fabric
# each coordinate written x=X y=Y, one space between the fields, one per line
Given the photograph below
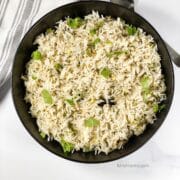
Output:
x=16 y=17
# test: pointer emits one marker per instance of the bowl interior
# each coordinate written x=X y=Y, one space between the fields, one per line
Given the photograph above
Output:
x=23 y=55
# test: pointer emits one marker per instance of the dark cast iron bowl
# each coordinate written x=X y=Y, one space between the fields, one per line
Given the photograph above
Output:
x=23 y=55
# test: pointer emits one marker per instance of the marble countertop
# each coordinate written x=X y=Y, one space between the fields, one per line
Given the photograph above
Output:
x=23 y=158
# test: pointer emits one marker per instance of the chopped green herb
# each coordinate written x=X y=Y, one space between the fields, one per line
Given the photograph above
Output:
x=91 y=46
x=70 y=102
x=91 y=122
x=90 y=51
x=57 y=66
x=108 y=42
x=74 y=23
x=97 y=40
x=105 y=72
x=118 y=52
x=93 y=31
x=47 y=96
x=145 y=83
x=43 y=135
x=99 y=25
x=36 y=55
x=161 y=107
x=67 y=146
x=158 y=108
x=114 y=53
x=145 y=95
x=152 y=44
x=96 y=28
x=72 y=128
x=131 y=30
x=155 y=108
x=49 y=30
x=34 y=77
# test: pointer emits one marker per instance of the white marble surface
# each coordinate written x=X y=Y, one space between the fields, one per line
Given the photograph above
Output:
x=21 y=158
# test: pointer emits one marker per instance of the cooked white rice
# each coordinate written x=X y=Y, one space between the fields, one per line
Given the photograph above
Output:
x=80 y=80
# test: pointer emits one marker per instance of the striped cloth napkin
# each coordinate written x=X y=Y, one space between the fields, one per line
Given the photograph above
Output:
x=16 y=17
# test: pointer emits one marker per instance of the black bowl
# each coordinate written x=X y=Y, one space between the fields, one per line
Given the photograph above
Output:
x=23 y=55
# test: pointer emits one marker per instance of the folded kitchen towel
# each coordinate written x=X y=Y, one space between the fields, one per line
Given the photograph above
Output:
x=16 y=17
